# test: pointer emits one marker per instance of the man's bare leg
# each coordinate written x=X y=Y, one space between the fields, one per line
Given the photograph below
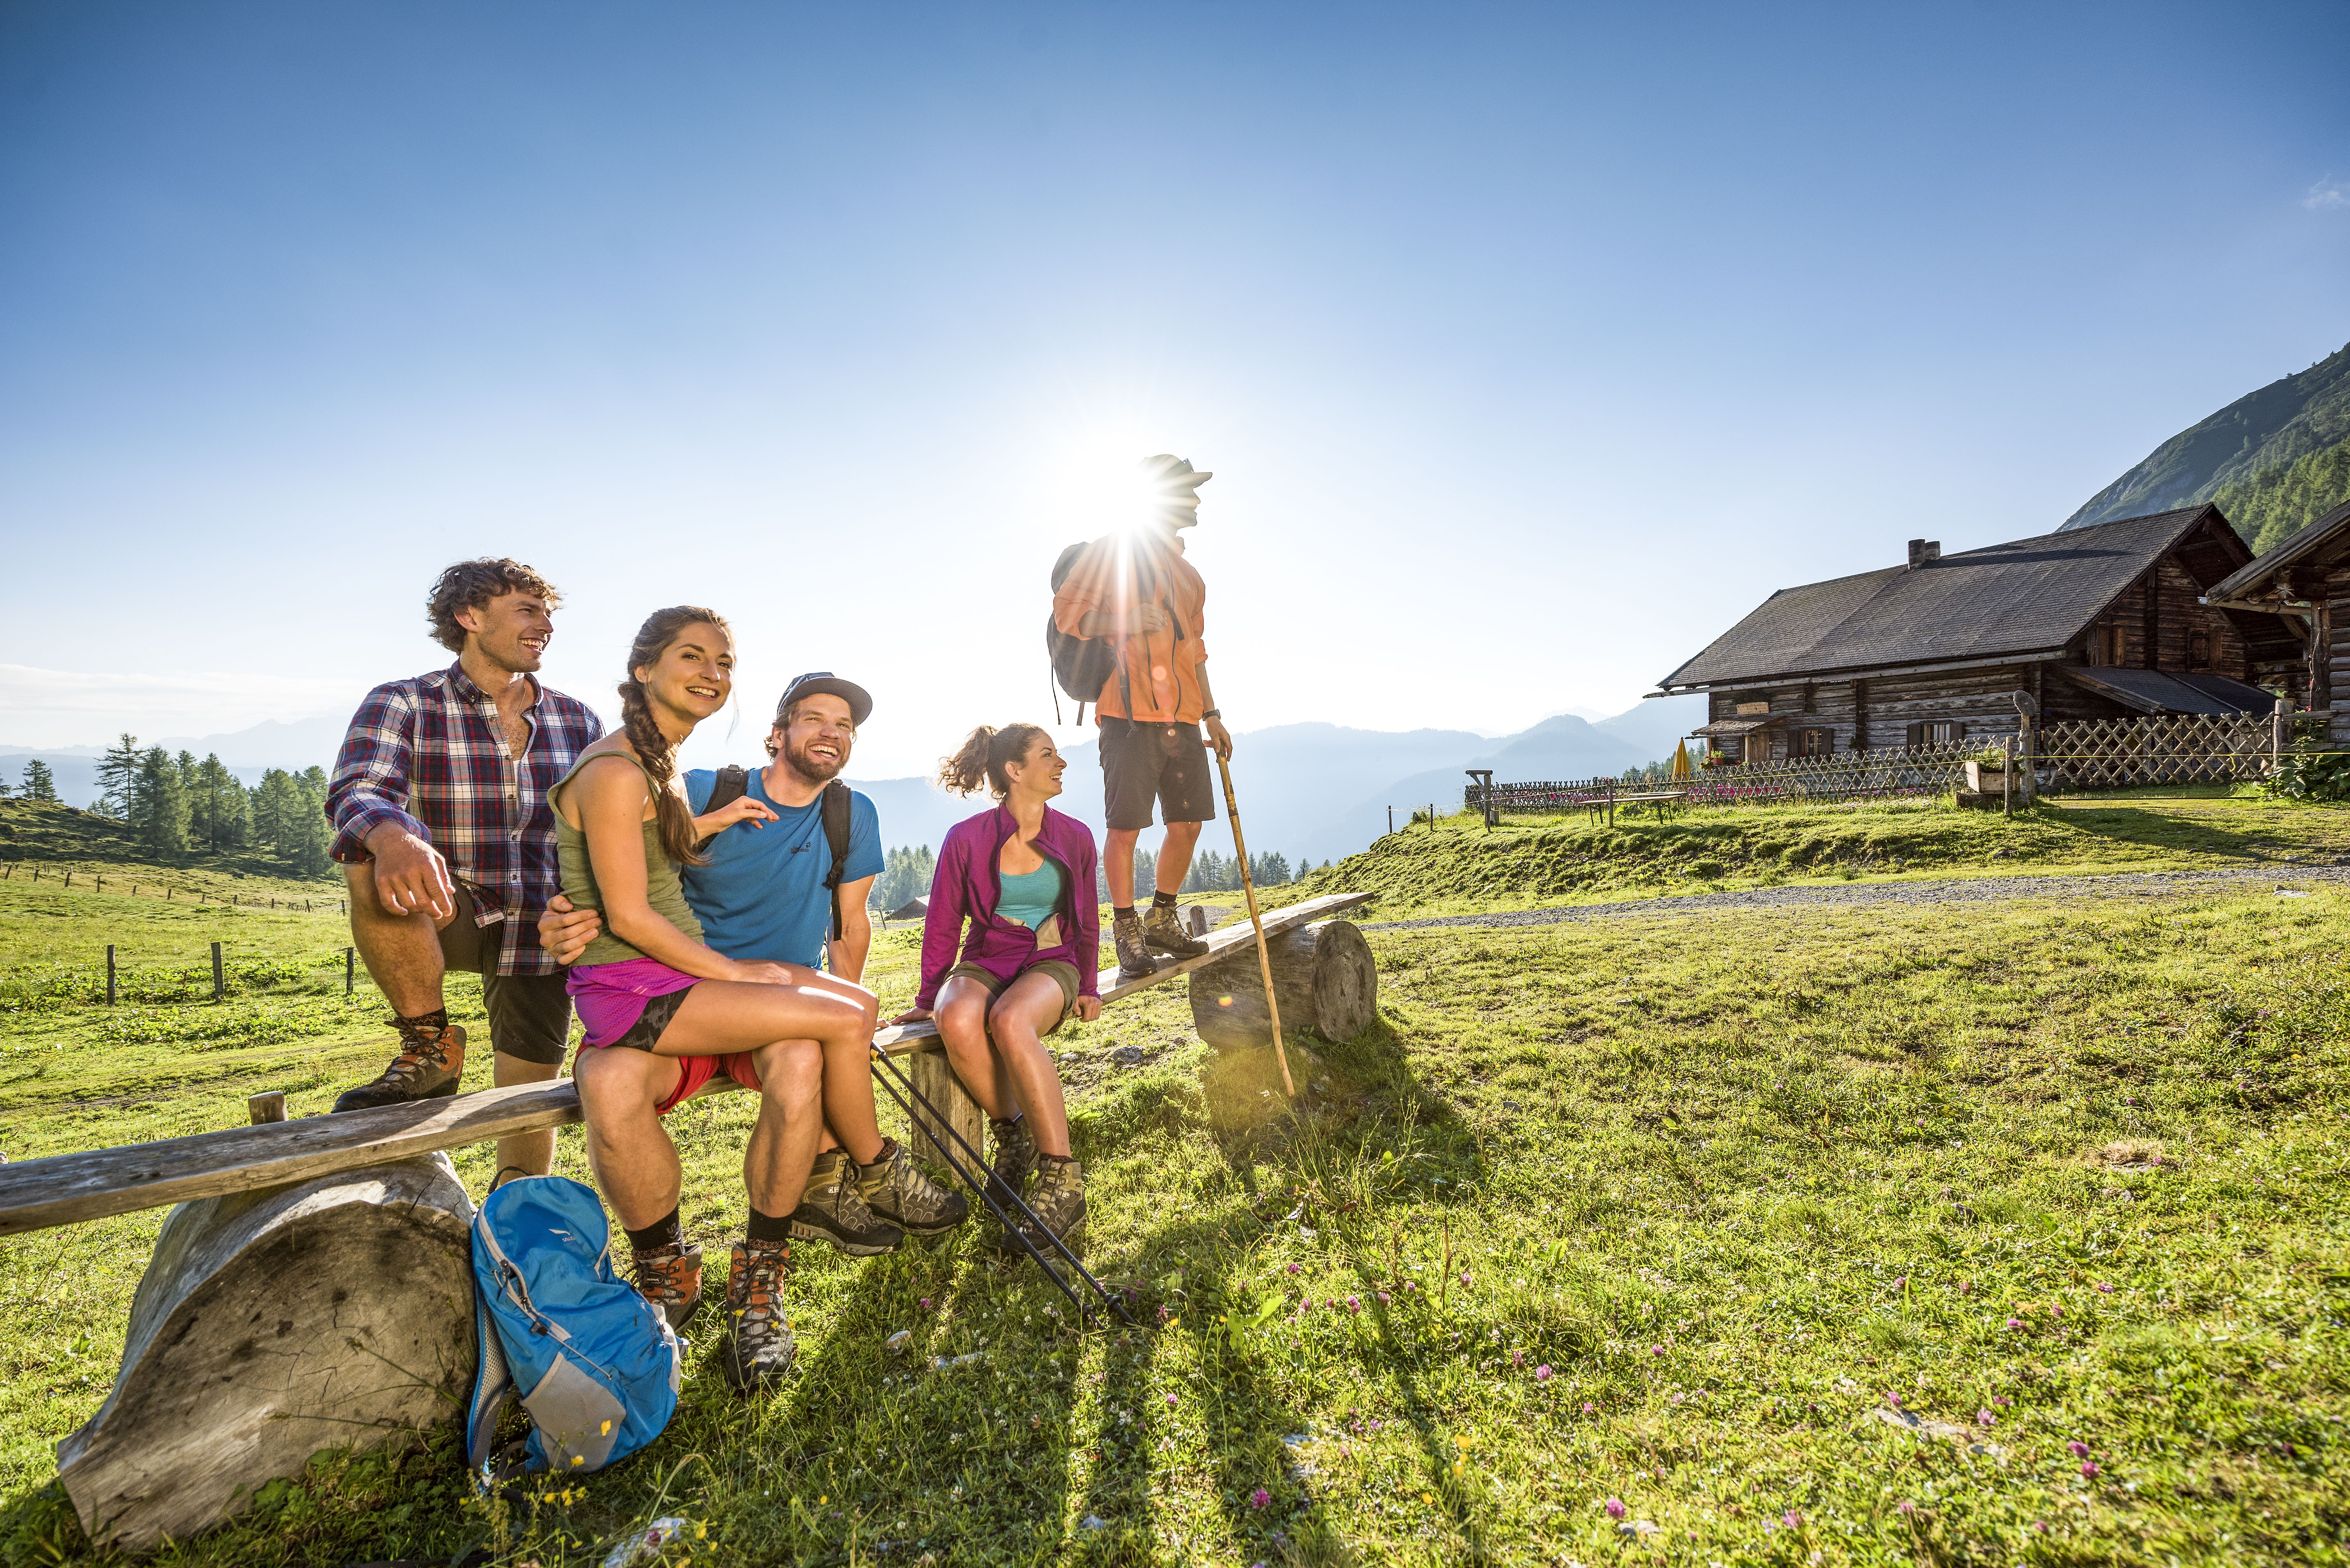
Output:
x=532 y=1153
x=1117 y=864
x=635 y=1164
x=402 y=952
x=1174 y=856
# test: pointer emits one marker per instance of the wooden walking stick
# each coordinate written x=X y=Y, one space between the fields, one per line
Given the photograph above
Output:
x=1264 y=954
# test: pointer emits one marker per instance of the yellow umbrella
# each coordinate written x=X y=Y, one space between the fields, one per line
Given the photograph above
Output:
x=1681 y=761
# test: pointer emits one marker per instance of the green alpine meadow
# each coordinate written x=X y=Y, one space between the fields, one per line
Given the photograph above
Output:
x=1921 y=1230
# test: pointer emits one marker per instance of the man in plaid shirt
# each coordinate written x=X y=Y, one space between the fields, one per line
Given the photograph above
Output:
x=439 y=801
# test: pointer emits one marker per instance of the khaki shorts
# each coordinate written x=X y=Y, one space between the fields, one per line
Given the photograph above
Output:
x=1059 y=968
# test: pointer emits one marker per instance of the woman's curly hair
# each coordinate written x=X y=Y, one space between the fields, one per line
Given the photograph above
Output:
x=470 y=584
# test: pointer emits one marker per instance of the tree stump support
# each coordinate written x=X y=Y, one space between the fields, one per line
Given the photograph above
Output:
x=1323 y=975
x=334 y=1312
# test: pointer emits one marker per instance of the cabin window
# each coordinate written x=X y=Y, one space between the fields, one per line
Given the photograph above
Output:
x=1937 y=733
x=1814 y=742
x=2105 y=645
x=1757 y=748
x=2199 y=650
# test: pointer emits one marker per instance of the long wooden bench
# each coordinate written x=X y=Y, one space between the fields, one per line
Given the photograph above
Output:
x=64 y=1188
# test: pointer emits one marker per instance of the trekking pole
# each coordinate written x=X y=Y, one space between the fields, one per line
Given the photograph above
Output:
x=936 y=1118
x=1263 y=954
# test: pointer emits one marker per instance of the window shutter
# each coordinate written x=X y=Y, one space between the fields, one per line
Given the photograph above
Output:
x=1917 y=736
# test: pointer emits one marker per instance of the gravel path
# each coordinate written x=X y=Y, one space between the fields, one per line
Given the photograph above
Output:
x=1967 y=890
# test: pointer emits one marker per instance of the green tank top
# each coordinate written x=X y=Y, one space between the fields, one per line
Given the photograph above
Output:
x=663 y=890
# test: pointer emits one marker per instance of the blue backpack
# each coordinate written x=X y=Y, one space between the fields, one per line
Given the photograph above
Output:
x=597 y=1365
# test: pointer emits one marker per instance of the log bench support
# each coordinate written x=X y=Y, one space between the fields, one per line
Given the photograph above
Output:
x=313 y=1288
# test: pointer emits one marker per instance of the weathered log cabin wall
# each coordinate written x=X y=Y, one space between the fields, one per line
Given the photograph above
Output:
x=2159 y=625
x=1877 y=712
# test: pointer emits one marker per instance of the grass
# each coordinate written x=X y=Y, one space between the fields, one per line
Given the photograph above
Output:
x=1757 y=1189
x=1456 y=865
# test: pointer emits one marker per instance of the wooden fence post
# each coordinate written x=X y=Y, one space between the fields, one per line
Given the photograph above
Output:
x=109 y=974
x=219 y=987
x=2276 y=739
x=348 y=972
x=2007 y=776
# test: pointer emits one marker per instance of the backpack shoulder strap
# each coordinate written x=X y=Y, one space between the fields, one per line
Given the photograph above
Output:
x=835 y=806
x=734 y=783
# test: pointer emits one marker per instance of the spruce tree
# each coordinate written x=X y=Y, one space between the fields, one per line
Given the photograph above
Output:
x=118 y=778
x=158 y=805
x=40 y=782
x=217 y=807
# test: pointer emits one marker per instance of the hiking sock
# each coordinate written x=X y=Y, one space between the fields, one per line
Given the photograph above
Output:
x=1162 y=900
x=1116 y=909
x=664 y=1231
x=1044 y=1159
x=765 y=1230
x=889 y=1152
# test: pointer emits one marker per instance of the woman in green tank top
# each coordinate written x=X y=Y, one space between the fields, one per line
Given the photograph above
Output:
x=665 y=1015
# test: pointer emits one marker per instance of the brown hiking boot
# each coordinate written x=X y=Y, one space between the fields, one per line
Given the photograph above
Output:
x=833 y=1210
x=1163 y=932
x=1133 y=953
x=759 y=1346
x=1060 y=1203
x=427 y=1067
x=899 y=1194
x=671 y=1278
x=1015 y=1161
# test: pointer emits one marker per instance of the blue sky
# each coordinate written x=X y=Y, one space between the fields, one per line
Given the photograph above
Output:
x=1530 y=345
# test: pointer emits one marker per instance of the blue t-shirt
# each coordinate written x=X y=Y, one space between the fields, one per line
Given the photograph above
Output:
x=761 y=897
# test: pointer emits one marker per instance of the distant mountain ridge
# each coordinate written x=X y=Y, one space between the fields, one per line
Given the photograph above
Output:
x=1310 y=791
x=2273 y=460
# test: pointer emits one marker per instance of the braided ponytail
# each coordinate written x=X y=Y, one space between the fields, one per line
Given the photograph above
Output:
x=653 y=748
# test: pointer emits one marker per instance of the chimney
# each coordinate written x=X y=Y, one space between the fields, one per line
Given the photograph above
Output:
x=1924 y=550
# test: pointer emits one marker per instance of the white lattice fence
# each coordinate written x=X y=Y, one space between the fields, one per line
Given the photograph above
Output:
x=1847 y=775
x=2181 y=748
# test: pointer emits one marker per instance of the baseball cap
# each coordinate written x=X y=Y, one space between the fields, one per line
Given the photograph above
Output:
x=824 y=683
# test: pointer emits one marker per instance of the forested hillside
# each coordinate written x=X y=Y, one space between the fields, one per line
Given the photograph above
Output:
x=2274 y=460
x=166 y=810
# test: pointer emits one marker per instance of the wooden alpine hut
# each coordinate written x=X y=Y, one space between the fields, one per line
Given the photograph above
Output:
x=2105 y=622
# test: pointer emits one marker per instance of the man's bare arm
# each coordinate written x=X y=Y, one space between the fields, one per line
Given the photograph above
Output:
x=849 y=954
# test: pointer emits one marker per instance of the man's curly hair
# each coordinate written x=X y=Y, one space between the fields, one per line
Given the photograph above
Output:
x=470 y=584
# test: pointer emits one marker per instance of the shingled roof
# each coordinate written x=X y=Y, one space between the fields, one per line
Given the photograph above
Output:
x=2026 y=598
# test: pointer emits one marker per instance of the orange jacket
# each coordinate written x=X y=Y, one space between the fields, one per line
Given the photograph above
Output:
x=1160 y=668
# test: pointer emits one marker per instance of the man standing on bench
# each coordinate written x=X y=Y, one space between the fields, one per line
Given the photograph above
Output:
x=792 y=853
x=1136 y=591
x=439 y=801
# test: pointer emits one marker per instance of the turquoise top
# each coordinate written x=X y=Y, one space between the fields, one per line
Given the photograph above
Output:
x=1032 y=899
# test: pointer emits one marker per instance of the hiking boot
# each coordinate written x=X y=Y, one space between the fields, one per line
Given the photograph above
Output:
x=759 y=1343
x=427 y=1067
x=1133 y=953
x=1015 y=1161
x=1163 y=932
x=897 y=1193
x=671 y=1278
x=833 y=1210
x=1060 y=1206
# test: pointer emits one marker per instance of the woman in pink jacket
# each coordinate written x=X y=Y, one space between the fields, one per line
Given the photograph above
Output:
x=1022 y=876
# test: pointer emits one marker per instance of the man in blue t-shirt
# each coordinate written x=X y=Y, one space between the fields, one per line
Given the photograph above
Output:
x=761 y=897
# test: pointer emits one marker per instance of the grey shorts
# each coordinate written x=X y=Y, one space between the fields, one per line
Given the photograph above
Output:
x=1062 y=972
x=530 y=1014
x=1165 y=763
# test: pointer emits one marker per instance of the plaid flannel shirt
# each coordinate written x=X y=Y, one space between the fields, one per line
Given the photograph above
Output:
x=430 y=754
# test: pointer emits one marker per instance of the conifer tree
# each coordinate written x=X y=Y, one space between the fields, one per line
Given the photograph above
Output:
x=40 y=782
x=218 y=808
x=158 y=805
x=118 y=778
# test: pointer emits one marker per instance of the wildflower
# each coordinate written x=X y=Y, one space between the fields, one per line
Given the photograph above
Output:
x=2089 y=1468
x=1542 y=1375
x=1588 y=1407
x=1383 y=1298
x=2080 y=1450
x=2002 y=1400
x=2104 y=1288
x=1465 y=1276
x=1614 y=1508
x=1983 y=1418
x=1902 y=1283
x=1656 y=1350
x=1354 y=1304
x=1677 y=1399
x=1260 y=1498
x=2041 y=1525
x=1164 y=1314
x=2015 y=1323
x=2055 y=1312
x=926 y=1304
x=1517 y=1358
x=1293 y=1267
x=1792 y=1519
x=1411 y=1284
x=1894 y=1400
x=1171 y=1401
x=1906 y=1508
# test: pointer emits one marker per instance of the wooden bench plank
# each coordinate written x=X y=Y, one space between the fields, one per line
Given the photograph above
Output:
x=64 y=1188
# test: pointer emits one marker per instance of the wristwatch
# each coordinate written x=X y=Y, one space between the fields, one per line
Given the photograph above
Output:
x=1213 y=713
